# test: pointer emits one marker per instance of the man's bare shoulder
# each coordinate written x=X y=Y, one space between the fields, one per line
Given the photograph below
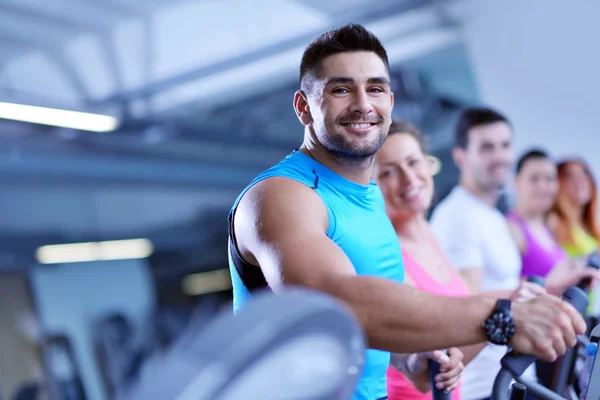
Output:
x=279 y=204
x=281 y=193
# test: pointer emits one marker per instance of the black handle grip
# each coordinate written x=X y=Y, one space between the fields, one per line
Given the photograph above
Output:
x=518 y=363
x=537 y=279
x=593 y=261
x=437 y=394
x=518 y=391
x=577 y=298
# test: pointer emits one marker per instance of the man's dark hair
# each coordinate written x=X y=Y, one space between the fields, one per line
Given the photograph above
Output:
x=533 y=154
x=472 y=117
x=348 y=38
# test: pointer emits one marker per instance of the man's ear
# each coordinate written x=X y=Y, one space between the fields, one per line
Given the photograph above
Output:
x=458 y=155
x=301 y=107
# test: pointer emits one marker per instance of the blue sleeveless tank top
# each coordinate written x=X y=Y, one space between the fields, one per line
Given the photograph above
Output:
x=358 y=224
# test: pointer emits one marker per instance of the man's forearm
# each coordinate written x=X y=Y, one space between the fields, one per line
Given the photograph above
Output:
x=497 y=294
x=402 y=319
x=470 y=352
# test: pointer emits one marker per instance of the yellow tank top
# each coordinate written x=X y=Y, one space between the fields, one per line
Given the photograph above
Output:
x=582 y=245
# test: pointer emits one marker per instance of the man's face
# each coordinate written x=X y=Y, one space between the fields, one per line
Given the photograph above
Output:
x=489 y=155
x=351 y=105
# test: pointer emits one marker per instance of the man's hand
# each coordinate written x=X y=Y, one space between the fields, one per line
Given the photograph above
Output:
x=545 y=327
x=416 y=368
x=527 y=291
x=568 y=273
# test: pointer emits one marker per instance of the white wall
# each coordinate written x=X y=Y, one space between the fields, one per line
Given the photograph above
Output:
x=538 y=61
x=70 y=297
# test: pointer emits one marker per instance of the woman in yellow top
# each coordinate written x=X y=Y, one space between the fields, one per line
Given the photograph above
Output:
x=573 y=218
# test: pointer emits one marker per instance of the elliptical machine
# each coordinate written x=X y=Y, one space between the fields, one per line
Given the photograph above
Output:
x=513 y=365
x=562 y=375
x=297 y=345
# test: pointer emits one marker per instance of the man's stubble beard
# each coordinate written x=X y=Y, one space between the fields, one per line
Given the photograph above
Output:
x=347 y=152
x=490 y=187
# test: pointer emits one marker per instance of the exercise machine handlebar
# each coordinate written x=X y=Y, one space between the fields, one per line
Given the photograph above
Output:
x=593 y=261
x=593 y=389
x=537 y=279
x=437 y=394
x=514 y=364
x=518 y=391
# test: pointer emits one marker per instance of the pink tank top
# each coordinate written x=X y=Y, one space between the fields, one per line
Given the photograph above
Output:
x=398 y=386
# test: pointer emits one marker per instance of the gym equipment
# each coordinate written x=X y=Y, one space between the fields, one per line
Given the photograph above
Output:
x=434 y=367
x=295 y=345
x=513 y=364
x=62 y=369
x=557 y=376
x=116 y=352
x=593 y=261
x=593 y=389
x=562 y=370
x=437 y=394
x=518 y=391
x=537 y=279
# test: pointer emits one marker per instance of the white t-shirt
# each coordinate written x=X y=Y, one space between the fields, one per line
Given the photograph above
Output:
x=473 y=234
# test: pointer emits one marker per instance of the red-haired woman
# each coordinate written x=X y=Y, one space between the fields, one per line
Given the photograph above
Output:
x=574 y=219
x=574 y=216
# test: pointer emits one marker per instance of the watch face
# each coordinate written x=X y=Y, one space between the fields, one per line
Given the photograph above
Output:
x=500 y=327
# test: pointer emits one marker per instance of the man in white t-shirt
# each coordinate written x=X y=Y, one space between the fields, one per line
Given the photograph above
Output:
x=474 y=234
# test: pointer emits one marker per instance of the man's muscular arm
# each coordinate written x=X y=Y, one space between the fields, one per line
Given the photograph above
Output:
x=281 y=225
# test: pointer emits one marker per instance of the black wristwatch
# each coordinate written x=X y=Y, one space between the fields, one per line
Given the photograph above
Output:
x=500 y=326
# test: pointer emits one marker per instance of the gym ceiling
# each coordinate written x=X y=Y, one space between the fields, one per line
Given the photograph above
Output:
x=200 y=91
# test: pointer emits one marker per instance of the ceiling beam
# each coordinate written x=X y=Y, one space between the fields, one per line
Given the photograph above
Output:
x=266 y=75
x=69 y=70
x=362 y=15
x=38 y=16
x=123 y=169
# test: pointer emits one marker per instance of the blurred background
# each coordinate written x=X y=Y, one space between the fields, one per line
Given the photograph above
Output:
x=113 y=228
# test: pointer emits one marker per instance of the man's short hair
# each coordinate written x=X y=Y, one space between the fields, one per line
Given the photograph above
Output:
x=532 y=154
x=346 y=39
x=472 y=117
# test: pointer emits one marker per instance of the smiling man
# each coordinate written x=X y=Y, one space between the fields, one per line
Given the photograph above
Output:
x=475 y=235
x=317 y=220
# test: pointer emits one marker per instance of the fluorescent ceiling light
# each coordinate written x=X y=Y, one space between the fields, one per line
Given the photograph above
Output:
x=207 y=282
x=55 y=117
x=94 y=251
